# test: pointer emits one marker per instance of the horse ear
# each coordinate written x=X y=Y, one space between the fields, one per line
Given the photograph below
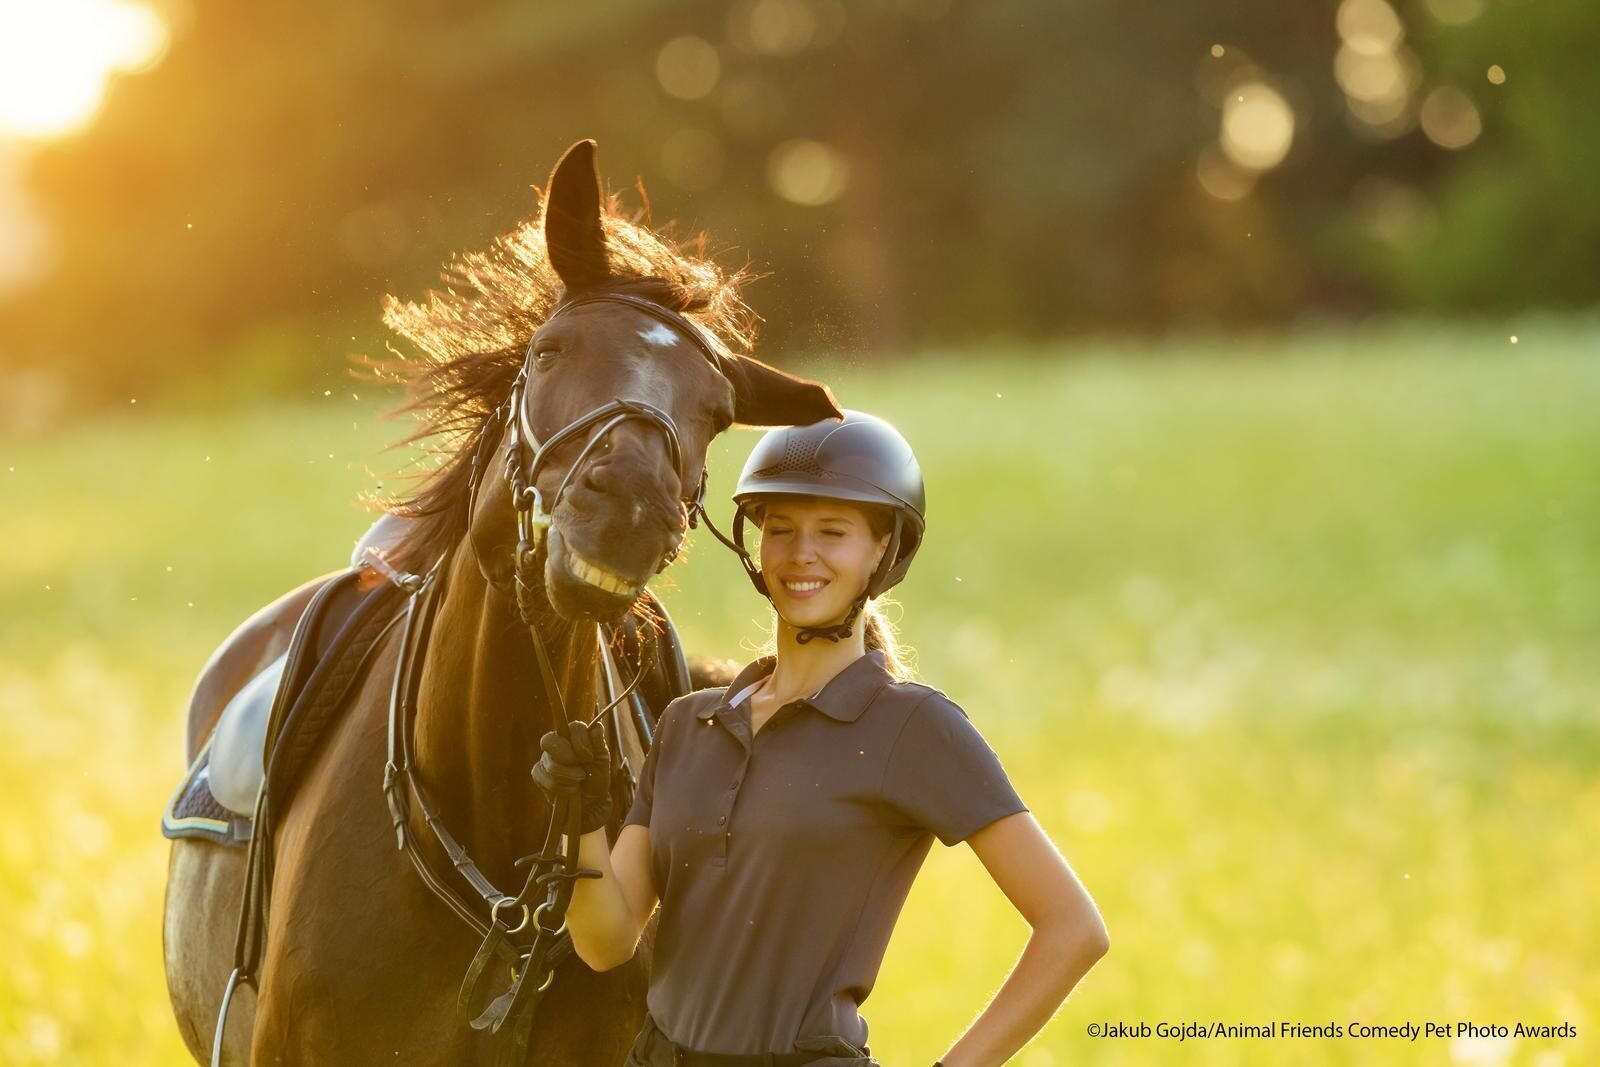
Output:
x=764 y=396
x=572 y=234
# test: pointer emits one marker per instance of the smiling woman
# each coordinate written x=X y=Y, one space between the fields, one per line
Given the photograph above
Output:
x=56 y=57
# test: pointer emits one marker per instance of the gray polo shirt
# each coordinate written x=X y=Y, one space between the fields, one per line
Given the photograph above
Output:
x=783 y=860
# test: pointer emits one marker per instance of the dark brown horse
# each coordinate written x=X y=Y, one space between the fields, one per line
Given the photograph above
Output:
x=362 y=963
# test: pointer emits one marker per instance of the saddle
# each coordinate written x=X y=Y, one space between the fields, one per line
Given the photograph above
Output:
x=278 y=717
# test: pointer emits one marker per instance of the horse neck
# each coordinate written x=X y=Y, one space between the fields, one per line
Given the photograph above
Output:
x=481 y=709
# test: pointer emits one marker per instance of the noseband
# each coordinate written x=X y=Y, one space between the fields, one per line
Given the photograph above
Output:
x=521 y=473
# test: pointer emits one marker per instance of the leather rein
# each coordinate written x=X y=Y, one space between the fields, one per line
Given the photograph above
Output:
x=532 y=938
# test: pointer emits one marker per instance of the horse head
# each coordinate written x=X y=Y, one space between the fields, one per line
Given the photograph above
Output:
x=619 y=397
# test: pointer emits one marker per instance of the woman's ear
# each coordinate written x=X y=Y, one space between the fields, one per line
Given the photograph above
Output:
x=883 y=546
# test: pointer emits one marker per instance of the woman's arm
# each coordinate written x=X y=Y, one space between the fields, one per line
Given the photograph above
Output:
x=607 y=914
x=1068 y=937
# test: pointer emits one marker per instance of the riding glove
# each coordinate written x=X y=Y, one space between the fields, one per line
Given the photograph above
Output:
x=581 y=765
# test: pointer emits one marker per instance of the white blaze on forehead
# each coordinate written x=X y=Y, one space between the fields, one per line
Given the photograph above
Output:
x=659 y=334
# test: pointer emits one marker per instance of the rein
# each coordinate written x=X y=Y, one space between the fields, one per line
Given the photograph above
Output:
x=555 y=866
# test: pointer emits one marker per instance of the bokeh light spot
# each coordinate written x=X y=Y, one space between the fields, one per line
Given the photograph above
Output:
x=774 y=27
x=1376 y=77
x=1369 y=26
x=1450 y=119
x=687 y=67
x=1257 y=126
x=1455 y=12
x=807 y=172
x=1496 y=74
x=1220 y=177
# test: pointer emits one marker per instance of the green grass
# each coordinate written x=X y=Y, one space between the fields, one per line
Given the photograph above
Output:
x=1289 y=645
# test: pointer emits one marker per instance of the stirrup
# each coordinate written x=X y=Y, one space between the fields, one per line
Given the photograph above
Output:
x=235 y=980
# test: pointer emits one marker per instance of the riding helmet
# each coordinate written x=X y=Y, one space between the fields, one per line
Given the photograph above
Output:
x=858 y=458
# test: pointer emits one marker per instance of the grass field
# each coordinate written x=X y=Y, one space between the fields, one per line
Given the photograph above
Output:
x=1291 y=646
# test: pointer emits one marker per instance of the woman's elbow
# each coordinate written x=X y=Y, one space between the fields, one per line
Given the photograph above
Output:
x=613 y=962
x=1096 y=942
x=1082 y=940
x=606 y=957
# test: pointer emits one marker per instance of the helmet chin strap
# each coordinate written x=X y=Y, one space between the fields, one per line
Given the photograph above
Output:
x=838 y=631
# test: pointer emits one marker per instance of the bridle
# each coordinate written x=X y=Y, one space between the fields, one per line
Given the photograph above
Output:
x=521 y=475
x=544 y=941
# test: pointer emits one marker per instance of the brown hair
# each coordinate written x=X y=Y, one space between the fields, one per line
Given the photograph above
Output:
x=877 y=631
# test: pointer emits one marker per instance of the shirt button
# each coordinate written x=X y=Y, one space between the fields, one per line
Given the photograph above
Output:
x=721 y=819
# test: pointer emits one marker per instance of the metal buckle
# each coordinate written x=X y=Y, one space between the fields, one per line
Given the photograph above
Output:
x=540 y=910
x=494 y=914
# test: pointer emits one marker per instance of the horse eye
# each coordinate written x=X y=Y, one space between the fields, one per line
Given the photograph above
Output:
x=545 y=354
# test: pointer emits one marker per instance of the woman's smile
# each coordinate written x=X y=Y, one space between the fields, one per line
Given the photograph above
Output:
x=804 y=588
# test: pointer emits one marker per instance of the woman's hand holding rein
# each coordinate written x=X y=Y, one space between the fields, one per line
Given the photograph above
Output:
x=581 y=764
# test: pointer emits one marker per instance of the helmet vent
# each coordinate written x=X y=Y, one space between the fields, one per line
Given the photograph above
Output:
x=797 y=458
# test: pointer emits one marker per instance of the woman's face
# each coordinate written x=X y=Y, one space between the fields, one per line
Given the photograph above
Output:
x=817 y=556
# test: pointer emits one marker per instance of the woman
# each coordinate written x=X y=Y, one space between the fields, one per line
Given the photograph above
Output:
x=780 y=821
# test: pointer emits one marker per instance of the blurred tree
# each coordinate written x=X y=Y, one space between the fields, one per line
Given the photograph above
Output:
x=910 y=171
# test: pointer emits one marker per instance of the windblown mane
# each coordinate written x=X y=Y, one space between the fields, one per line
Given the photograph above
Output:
x=471 y=338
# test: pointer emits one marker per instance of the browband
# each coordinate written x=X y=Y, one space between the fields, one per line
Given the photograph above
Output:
x=660 y=312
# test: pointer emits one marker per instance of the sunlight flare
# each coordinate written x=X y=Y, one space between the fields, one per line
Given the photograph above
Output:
x=57 y=56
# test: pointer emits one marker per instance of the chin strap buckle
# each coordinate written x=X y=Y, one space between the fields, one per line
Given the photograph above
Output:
x=838 y=631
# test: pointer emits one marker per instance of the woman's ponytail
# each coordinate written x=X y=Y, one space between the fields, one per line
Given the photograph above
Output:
x=879 y=633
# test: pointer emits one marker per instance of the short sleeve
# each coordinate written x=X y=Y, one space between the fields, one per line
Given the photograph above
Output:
x=943 y=776
x=644 y=796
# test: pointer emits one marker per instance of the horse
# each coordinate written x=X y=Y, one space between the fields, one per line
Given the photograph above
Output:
x=581 y=312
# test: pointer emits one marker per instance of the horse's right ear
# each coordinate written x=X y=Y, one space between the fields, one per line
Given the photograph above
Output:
x=572 y=235
x=765 y=396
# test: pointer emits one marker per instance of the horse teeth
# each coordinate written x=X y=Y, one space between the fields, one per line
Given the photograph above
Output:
x=599 y=577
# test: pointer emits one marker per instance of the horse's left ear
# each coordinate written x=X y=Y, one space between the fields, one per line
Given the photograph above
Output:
x=765 y=396
x=572 y=235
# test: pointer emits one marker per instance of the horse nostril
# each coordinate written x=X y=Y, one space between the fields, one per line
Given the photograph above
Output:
x=594 y=479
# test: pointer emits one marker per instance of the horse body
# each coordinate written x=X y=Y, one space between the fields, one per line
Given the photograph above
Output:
x=361 y=962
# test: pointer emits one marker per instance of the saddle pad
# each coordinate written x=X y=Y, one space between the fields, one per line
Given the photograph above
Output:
x=238 y=741
x=194 y=812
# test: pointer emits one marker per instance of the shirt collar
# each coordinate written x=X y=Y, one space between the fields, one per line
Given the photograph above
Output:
x=844 y=698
